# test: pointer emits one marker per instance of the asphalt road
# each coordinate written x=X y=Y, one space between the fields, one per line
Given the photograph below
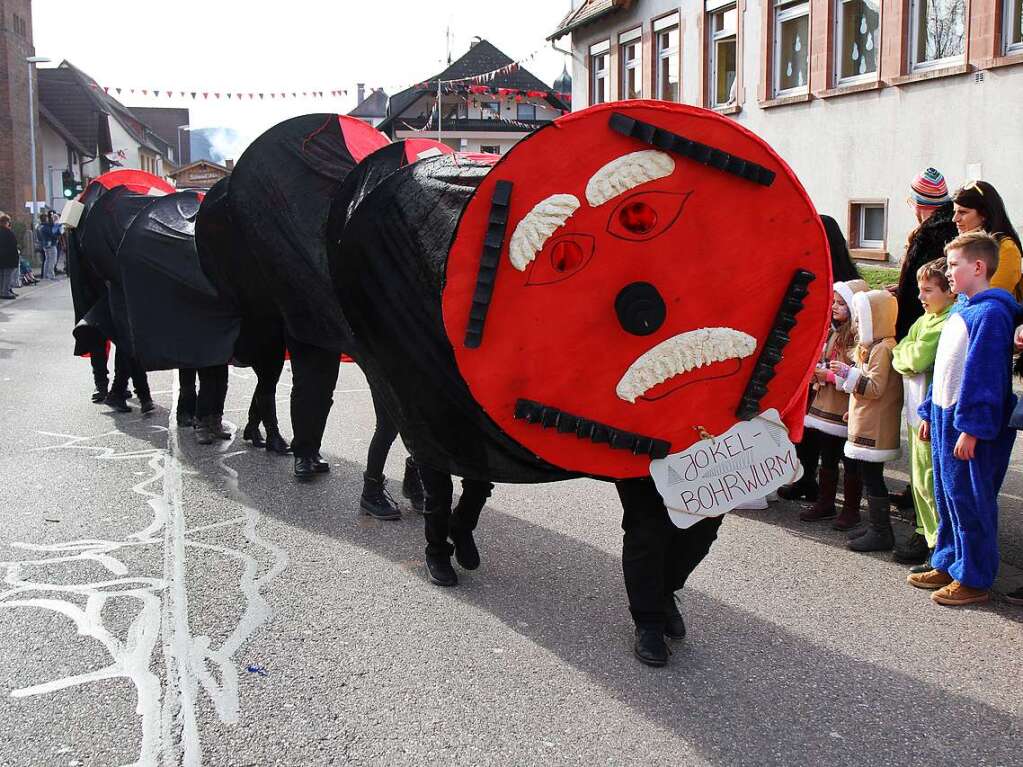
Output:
x=168 y=603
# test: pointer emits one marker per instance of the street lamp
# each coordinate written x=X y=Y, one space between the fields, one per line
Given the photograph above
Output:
x=178 y=131
x=32 y=61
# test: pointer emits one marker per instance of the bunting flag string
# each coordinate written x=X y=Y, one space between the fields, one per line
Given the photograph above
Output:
x=216 y=95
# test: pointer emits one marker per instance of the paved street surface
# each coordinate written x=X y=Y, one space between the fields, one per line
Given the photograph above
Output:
x=169 y=603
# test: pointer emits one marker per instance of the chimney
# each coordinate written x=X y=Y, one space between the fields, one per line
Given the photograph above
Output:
x=362 y=92
x=229 y=164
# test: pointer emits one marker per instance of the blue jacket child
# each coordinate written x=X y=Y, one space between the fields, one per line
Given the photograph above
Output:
x=972 y=393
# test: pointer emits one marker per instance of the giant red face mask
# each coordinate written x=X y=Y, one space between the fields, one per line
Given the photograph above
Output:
x=638 y=284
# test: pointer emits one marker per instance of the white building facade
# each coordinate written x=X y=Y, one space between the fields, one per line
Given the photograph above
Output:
x=858 y=96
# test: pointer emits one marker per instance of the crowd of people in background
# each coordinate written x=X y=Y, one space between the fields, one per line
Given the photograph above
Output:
x=932 y=353
x=51 y=252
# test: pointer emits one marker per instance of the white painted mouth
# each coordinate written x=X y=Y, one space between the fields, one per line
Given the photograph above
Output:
x=681 y=354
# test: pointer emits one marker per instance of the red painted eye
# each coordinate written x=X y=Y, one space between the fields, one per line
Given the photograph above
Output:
x=638 y=217
x=646 y=215
x=561 y=258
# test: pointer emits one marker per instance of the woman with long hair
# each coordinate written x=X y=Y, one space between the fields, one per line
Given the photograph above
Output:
x=979 y=206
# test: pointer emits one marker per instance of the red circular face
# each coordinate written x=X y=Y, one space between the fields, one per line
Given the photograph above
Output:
x=636 y=287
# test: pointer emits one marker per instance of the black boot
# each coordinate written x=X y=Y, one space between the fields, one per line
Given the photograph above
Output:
x=375 y=501
x=146 y=405
x=803 y=489
x=253 y=434
x=412 y=486
x=184 y=420
x=117 y=401
x=275 y=443
x=650 y=646
x=308 y=467
x=466 y=553
x=440 y=570
x=100 y=394
x=913 y=551
x=879 y=536
x=216 y=427
x=674 y=626
x=202 y=431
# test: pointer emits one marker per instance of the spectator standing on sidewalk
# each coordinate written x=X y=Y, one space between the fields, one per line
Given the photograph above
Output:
x=46 y=245
x=979 y=207
x=913 y=358
x=10 y=259
x=966 y=417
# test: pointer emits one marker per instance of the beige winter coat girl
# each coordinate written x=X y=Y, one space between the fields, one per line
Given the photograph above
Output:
x=875 y=407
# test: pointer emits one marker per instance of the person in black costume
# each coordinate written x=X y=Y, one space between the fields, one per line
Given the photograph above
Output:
x=125 y=367
x=205 y=410
x=449 y=531
x=98 y=358
x=657 y=559
x=263 y=408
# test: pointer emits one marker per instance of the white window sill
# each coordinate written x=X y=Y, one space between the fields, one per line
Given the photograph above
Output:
x=931 y=73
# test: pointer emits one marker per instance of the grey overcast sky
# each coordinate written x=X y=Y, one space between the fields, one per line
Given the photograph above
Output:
x=295 y=45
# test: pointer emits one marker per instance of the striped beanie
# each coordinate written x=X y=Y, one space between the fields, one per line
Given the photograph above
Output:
x=929 y=189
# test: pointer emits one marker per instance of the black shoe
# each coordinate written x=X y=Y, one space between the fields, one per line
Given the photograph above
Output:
x=650 y=646
x=7 y=296
x=375 y=501
x=1015 y=597
x=308 y=467
x=913 y=551
x=275 y=443
x=254 y=435
x=466 y=553
x=117 y=402
x=674 y=626
x=925 y=567
x=146 y=405
x=440 y=570
x=412 y=487
x=904 y=500
x=797 y=491
x=99 y=395
x=184 y=420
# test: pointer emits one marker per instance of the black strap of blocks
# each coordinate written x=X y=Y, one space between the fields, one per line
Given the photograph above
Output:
x=497 y=226
x=774 y=346
x=693 y=150
x=583 y=428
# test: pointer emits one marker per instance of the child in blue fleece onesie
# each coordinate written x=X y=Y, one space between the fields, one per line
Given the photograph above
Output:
x=966 y=418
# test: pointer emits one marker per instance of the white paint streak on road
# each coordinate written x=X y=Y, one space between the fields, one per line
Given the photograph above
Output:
x=168 y=713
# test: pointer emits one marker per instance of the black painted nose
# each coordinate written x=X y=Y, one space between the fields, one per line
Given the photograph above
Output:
x=640 y=309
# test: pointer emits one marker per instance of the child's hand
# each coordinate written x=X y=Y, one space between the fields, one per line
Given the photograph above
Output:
x=925 y=432
x=1018 y=339
x=965 y=448
x=821 y=374
x=840 y=369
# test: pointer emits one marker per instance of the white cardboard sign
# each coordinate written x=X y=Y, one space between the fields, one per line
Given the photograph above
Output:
x=712 y=477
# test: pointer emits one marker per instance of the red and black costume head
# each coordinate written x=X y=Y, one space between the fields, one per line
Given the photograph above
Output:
x=620 y=280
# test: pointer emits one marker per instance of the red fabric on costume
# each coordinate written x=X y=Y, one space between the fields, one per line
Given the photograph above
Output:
x=719 y=250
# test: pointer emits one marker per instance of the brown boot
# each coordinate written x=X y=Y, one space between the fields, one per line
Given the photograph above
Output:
x=852 y=493
x=827 y=481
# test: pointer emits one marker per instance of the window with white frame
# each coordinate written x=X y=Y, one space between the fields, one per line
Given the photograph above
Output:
x=630 y=47
x=1013 y=26
x=938 y=32
x=722 y=27
x=667 y=71
x=600 y=55
x=857 y=39
x=525 y=111
x=791 y=47
x=868 y=224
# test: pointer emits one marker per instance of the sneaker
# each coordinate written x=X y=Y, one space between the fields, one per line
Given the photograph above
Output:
x=1015 y=597
x=957 y=594
x=932 y=579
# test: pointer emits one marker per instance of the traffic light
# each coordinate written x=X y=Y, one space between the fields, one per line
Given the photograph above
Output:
x=68 y=182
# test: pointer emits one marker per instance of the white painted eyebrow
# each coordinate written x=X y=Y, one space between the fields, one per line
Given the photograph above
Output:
x=536 y=227
x=627 y=172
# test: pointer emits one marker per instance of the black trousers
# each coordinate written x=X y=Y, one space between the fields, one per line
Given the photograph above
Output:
x=873 y=478
x=211 y=395
x=657 y=557
x=384 y=434
x=833 y=452
x=314 y=376
x=438 y=516
x=125 y=367
x=98 y=360
x=263 y=408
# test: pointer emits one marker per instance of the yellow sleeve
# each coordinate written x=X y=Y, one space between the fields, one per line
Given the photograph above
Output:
x=1007 y=275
